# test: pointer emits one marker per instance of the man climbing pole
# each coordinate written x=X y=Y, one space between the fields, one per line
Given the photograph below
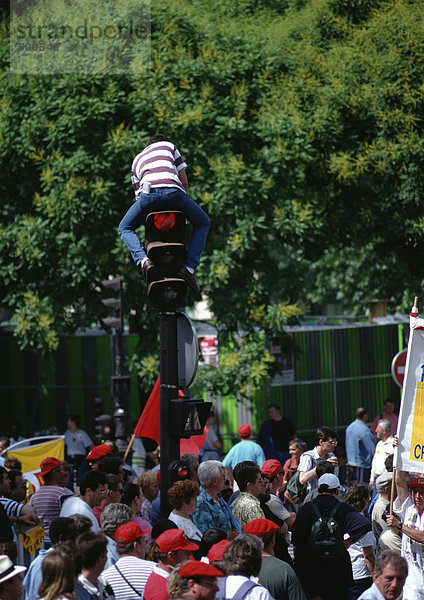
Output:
x=158 y=175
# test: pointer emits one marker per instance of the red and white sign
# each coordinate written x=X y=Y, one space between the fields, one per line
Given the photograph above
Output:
x=398 y=367
x=209 y=349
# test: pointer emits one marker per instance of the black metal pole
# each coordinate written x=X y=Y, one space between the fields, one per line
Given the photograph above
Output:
x=169 y=442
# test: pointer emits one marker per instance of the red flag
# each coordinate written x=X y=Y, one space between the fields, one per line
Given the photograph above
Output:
x=194 y=443
x=149 y=423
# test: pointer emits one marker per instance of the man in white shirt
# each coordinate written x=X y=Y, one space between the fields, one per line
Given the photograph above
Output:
x=409 y=519
x=77 y=443
x=389 y=575
x=326 y=440
x=383 y=449
x=93 y=487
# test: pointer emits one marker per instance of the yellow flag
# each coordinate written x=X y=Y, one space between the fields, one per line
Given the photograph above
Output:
x=417 y=437
x=32 y=456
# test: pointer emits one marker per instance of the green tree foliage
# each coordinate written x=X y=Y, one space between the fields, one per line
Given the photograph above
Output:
x=302 y=126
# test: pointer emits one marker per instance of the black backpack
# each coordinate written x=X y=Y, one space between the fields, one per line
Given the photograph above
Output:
x=326 y=538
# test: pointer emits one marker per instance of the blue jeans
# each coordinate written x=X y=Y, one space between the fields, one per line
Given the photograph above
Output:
x=165 y=199
x=360 y=474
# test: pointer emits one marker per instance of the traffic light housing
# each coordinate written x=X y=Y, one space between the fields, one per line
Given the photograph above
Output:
x=165 y=247
x=189 y=416
x=179 y=470
x=114 y=302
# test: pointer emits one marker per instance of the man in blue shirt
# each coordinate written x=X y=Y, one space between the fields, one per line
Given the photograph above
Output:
x=360 y=446
x=246 y=449
x=211 y=509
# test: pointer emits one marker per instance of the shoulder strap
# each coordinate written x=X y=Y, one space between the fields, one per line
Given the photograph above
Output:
x=244 y=589
x=315 y=507
x=126 y=580
x=335 y=509
x=309 y=455
x=332 y=513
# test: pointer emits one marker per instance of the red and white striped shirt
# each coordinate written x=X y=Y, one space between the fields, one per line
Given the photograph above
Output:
x=160 y=164
x=47 y=504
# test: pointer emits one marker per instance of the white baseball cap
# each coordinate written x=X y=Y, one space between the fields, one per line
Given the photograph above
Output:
x=329 y=479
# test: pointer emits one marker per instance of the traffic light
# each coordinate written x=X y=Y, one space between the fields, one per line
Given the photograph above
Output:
x=115 y=302
x=189 y=416
x=179 y=470
x=165 y=247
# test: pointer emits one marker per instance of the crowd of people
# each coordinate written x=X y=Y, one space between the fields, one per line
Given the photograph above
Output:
x=272 y=520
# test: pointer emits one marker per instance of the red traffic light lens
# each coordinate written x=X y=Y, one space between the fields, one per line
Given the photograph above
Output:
x=164 y=221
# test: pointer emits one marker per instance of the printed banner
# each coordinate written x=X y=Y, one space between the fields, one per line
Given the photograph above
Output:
x=409 y=456
x=32 y=455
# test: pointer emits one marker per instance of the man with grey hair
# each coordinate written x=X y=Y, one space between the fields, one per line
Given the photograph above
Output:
x=389 y=576
x=113 y=516
x=211 y=509
x=383 y=485
x=383 y=449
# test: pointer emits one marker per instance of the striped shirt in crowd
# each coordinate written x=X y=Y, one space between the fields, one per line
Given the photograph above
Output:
x=160 y=164
x=135 y=570
x=47 y=503
x=12 y=508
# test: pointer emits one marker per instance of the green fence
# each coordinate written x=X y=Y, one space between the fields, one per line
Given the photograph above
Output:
x=39 y=392
x=334 y=371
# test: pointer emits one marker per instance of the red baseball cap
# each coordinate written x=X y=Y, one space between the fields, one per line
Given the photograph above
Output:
x=99 y=452
x=48 y=464
x=260 y=527
x=128 y=533
x=418 y=482
x=174 y=539
x=196 y=568
x=217 y=550
x=271 y=467
x=244 y=430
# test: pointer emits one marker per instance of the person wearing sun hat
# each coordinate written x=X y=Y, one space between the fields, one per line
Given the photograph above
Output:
x=276 y=575
x=174 y=548
x=128 y=576
x=10 y=579
x=408 y=519
x=47 y=501
x=194 y=579
x=246 y=449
